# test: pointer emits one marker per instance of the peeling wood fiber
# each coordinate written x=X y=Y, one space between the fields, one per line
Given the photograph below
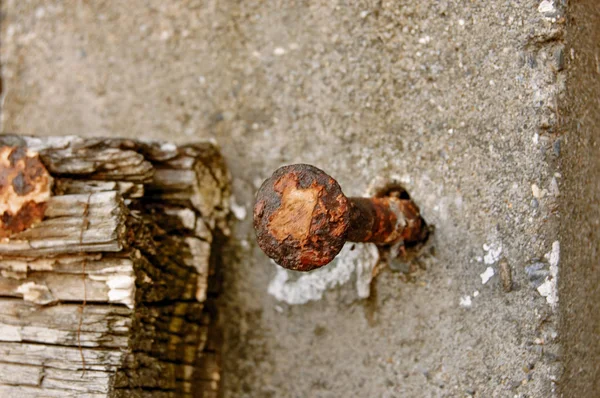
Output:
x=108 y=294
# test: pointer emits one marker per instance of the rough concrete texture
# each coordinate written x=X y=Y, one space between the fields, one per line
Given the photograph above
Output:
x=580 y=224
x=457 y=99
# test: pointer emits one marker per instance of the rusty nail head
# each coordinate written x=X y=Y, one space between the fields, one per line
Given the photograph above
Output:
x=25 y=187
x=302 y=218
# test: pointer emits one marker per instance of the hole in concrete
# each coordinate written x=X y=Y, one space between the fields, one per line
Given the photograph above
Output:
x=406 y=257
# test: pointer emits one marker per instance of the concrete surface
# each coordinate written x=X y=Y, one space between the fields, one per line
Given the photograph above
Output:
x=457 y=99
x=580 y=221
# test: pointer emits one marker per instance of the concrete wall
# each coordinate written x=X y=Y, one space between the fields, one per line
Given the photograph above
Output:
x=458 y=100
x=580 y=208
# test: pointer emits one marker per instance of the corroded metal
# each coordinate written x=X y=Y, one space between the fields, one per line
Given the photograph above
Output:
x=25 y=187
x=302 y=219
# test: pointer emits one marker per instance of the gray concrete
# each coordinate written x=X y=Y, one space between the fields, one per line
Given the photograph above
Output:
x=457 y=98
x=580 y=273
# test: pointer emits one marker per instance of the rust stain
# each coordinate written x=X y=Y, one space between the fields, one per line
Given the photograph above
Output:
x=25 y=187
x=294 y=216
x=301 y=217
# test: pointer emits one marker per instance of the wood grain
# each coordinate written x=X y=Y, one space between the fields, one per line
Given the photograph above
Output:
x=131 y=231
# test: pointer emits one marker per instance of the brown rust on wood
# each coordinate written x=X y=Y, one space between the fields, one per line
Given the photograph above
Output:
x=25 y=187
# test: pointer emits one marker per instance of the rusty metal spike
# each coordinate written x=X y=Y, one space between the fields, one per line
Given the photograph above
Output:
x=302 y=218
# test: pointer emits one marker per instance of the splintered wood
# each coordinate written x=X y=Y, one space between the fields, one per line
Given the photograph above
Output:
x=110 y=294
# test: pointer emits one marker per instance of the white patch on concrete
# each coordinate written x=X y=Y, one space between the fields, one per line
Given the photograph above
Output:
x=546 y=7
x=476 y=293
x=536 y=191
x=465 y=301
x=279 y=51
x=549 y=288
x=554 y=191
x=554 y=255
x=356 y=260
x=486 y=275
x=239 y=211
x=493 y=251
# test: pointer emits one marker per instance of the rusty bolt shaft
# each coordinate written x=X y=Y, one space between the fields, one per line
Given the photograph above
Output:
x=302 y=219
x=384 y=221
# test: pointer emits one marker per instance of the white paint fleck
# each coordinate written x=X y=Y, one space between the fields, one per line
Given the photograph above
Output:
x=536 y=191
x=424 y=40
x=239 y=211
x=461 y=22
x=493 y=251
x=168 y=147
x=279 y=51
x=165 y=35
x=486 y=275
x=476 y=293
x=554 y=255
x=39 y=294
x=121 y=289
x=554 y=187
x=549 y=288
x=355 y=261
x=121 y=286
x=364 y=14
x=546 y=7
x=465 y=301
x=536 y=138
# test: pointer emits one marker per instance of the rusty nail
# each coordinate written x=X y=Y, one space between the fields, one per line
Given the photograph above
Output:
x=25 y=187
x=302 y=218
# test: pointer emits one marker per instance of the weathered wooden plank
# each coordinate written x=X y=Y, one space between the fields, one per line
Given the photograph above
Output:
x=127 y=189
x=101 y=326
x=117 y=286
x=22 y=375
x=60 y=357
x=35 y=392
x=74 y=223
x=106 y=295
x=89 y=381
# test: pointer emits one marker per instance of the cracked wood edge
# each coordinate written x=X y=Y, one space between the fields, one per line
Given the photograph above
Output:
x=137 y=222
